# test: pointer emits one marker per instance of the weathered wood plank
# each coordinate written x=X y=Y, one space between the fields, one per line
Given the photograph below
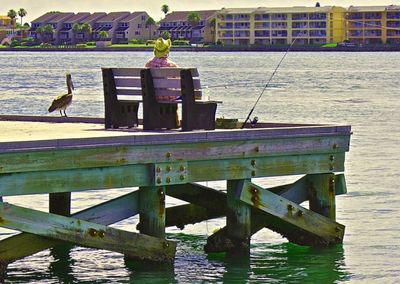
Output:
x=60 y=203
x=171 y=72
x=86 y=233
x=322 y=195
x=152 y=211
x=238 y=219
x=140 y=175
x=182 y=215
x=291 y=213
x=126 y=72
x=109 y=212
x=125 y=155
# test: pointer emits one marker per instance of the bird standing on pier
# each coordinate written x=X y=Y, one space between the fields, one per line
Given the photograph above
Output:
x=62 y=102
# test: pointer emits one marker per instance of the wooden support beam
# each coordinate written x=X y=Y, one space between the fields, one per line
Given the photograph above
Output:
x=152 y=211
x=109 y=212
x=322 y=195
x=143 y=174
x=238 y=219
x=291 y=213
x=182 y=215
x=86 y=233
x=60 y=203
x=296 y=192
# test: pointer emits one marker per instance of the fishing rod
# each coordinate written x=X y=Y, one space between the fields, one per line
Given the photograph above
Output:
x=267 y=84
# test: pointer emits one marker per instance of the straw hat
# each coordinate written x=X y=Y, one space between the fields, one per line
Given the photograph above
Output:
x=161 y=47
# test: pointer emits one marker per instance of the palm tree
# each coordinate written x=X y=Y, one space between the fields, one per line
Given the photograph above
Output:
x=86 y=28
x=103 y=35
x=12 y=14
x=45 y=32
x=22 y=13
x=165 y=9
x=150 y=22
x=193 y=18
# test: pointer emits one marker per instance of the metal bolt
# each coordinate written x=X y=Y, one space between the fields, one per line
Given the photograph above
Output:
x=158 y=169
x=102 y=234
x=257 y=149
x=299 y=213
x=335 y=146
x=169 y=168
x=168 y=179
x=181 y=177
x=182 y=168
x=253 y=173
x=158 y=180
x=168 y=155
x=332 y=158
x=254 y=190
x=253 y=163
x=331 y=167
x=290 y=207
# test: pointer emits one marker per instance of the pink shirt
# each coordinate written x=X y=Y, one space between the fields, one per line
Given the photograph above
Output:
x=156 y=62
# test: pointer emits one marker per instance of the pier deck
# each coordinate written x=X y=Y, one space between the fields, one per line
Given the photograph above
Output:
x=59 y=158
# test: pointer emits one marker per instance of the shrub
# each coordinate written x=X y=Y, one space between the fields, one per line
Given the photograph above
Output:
x=180 y=42
x=91 y=43
x=14 y=42
x=150 y=41
x=45 y=45
x=136 y=41
x=81 y=45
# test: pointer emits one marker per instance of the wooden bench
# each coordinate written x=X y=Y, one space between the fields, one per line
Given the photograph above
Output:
x=126 y=88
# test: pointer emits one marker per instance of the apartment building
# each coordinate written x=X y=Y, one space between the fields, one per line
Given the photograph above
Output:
x=7 y=28
x=373 y=24
x=177 y=24
x=120 y=26
x=268 y=26
x=134 y=26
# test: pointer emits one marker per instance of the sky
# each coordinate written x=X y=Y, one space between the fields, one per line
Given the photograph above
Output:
x=36 y=8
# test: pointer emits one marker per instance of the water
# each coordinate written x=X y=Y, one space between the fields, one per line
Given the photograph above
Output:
x=360 y=89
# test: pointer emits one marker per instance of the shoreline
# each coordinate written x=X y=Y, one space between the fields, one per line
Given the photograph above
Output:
x=217 y=49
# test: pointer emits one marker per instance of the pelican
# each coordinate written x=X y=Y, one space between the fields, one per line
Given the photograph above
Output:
x=62 y=102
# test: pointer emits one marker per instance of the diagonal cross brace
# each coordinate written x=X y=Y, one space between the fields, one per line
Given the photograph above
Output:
x=85 y=233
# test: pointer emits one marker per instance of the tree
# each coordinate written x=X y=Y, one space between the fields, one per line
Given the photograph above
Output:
x=165 y=35
x=22 y=13
x=317 y=4
x=103 y=35
x=150 y=22
x=165 y=9
x=46 y=32
x=12 y=14
x=193 y=18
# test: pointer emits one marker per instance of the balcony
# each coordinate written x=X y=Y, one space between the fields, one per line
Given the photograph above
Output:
x=279 y=25
x=372 y=16
x=242 y=26
x=355 y=34
x=281 y=33
x=241 y=18
x=317 y=16
x=393 y=15
x=299 y=34
x=242 y=34
x=279 y=17
x=354 y=16
x=302 y=25
x=262 y=26
x=317 y=33
x=393 y=24
x=373 y=33
x=261 y=33
x=391 y=33
x=261 y=17
x=225 y=26
x=318 y=25
x=299 y=17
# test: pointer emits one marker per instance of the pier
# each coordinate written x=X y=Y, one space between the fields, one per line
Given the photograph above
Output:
x=60 y=156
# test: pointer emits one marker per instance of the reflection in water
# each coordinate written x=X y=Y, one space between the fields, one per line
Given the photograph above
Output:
x=61 y=266
x=277 y=263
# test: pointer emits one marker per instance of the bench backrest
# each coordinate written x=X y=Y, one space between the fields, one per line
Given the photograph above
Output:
x=166 y=81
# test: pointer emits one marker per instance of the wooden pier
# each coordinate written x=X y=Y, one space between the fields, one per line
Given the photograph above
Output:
x=47 y=157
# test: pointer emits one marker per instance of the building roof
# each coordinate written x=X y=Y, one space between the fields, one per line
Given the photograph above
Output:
x=5 y=18
x=61 y=17
x=360 y=9
x=46 y=17
x=94 y=17
x=113 y=16
x=182 y=15
x=79 y=17
x=132 y=16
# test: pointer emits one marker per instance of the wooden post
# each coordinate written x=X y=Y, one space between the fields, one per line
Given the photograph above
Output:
x=238 y=219
x=152 y=211
x=322 y=195
x=60 y=203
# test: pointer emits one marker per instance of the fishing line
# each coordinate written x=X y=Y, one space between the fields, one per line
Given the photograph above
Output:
x=269 y=80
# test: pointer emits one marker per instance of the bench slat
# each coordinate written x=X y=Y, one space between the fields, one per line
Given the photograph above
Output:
x=129 y=92
x=126 y=72
x=128 y=82
x=170 y=72
x=174 y=83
